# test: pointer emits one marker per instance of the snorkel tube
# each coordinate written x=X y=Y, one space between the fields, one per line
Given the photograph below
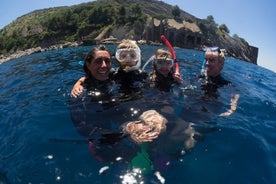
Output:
x=167 y=43
x=203 y=68
x=148 y=61
x=203 y=71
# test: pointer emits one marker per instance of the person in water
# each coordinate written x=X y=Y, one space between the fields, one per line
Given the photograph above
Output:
x=179 y=135
x=214 y=63
x=130 y=78
x=90 y=111
x=162 y=75
x=212 y=78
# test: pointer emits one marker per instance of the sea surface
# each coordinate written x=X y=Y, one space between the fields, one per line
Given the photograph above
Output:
x=39 y=143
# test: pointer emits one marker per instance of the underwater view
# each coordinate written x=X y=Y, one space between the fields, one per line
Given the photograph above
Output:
x=40 y=144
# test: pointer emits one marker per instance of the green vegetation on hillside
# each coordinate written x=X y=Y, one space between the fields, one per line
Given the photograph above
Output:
x=47 y=27
x=51 y=26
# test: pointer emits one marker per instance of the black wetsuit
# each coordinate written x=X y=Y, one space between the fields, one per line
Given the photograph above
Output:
x=92 y=115
x=131 y=84
x=213 y=83
x=160 y=82
x=96 y=98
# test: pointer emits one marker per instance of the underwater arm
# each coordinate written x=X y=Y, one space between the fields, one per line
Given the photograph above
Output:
x=78 y=115
x=136 y=131
x=233 y=106
x=87 y=126
x=146 y=129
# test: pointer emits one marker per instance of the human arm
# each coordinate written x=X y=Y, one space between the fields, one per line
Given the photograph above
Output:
x=89 y=124
x=136 y=131
x=233 y=106
x=78 y=87
x=177 y=77
x=139 y=132
x=147 y=128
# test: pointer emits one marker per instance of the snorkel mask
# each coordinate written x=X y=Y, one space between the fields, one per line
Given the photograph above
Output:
x=129 y=58
x=163 y=62
x=212 y=49
x=217 y=50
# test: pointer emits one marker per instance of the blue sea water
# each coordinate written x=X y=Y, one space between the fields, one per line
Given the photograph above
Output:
x=39 y=143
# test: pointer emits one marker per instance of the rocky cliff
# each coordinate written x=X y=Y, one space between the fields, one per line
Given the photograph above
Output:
x=110 y=21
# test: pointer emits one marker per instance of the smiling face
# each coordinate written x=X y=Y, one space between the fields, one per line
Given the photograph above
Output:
x=214 y=63
x=100 y=65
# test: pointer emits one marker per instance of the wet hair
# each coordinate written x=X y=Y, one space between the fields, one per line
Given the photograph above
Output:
x=126 y=43
x=221 y=56
x=90 y=56
x=163 y=53
x=217 y=52
x=220 y=52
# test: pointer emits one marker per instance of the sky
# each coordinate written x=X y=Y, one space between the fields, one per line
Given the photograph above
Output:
x=252 y=20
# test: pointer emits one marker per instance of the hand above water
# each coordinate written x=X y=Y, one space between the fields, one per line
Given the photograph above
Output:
x=177 y=77
x=233 y=106
x=77 y=88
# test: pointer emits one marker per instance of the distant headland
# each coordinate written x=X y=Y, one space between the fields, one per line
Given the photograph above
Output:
x=110 y=21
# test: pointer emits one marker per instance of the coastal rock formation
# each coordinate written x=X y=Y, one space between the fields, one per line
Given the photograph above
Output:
x=19 y=54
x=182 y=34
x=106 y=21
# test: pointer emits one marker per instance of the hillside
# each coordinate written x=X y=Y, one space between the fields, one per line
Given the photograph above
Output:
x=114 y=20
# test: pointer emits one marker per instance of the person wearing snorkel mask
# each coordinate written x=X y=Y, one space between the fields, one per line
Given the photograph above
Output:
x=128 y=55
x=212 y=78
x=128 y=75
x=214 y=62
x=162 y=75
x=90 y=112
